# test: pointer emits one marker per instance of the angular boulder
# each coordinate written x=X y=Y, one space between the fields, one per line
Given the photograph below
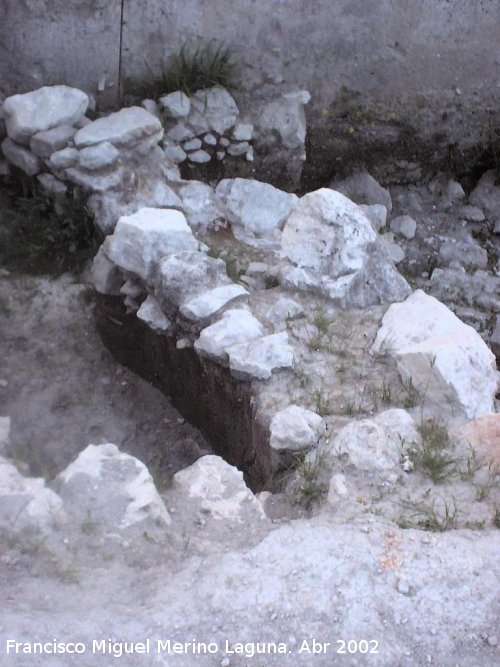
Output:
x=235 y=326
x=217 y=490
x=329 y=236
x=362 y=188
x=110 y=488
x=183 y=276
x=151 y=313
x=141 y=239
x=261 y=356
x=256 y=209
x=122 y=128
x=43 y=109
x=200 y=204
x=27 y=506
x=447 y=361
x=287 y=117
x=218 y=108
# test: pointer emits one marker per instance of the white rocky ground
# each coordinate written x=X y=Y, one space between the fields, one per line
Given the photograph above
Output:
x=382 y=538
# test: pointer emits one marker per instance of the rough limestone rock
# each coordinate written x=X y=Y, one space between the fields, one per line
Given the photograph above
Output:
x=284 y=309
x=287 y=117
x=404 y=225
x=208 y=304
x=260 y=357
x=218 y=490
x=21 y=157
x=243 y=132
x=217 y=107
x=376 y=444
x=118 y=490
x=141 y=239
x=199 y=157
x=376 y=214
x=329 y=236
x=447 y=361
x=486 y=195
x=296 y=429
x=4 y=433
x=186 y=275
x=102 y=182
x=362 y=188
x=176 y=105
x=175 y=153
x=151 y=313
x=104 y=275
x=235 y=326
x=495 y=339
x=122 y=128
x=483 y=434
x=43 y=109
x=98 y=156
x=46 y=143
x=257 y=210
x=27 y=506
x=201 y=205
x=468 y=254
x=64 y=158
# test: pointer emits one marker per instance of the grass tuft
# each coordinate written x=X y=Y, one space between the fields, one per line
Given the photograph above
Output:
x=191 y=70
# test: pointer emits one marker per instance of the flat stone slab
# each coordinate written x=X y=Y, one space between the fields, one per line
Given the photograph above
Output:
x=98 y=156
x=260 y=357
x=121 y=128
x=43 y=109
x=206 y=305
x=46 y=143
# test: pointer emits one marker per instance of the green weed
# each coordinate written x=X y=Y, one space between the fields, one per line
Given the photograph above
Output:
x=191 y=70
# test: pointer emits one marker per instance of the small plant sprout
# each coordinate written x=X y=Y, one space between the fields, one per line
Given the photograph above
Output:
x=322 y=403
x=430 y=457
x=436 y=517
x=322 y=323
x=308 y=470
x=411 y=394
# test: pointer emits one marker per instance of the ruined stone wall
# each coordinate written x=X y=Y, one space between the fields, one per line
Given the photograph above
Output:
x=376 y=69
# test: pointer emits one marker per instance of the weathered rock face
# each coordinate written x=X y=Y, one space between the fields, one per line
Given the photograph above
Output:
x=117 y=488
x=46 y=143
x=218 y=490
x=217 y=106
x=125 y=127
x=331 y=239
x=483 y=434
x=362 y=188
x=235 y=326
x=296 y=429
x=257 y=210
x=27 y=507
x=376 y=444
x=43 y=109
x=446 y=360
x=286 y=116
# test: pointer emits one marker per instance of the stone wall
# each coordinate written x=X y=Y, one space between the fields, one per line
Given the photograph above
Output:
x=381 y=72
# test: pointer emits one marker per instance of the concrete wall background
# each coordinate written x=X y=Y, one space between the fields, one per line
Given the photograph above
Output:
x=435 y=59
